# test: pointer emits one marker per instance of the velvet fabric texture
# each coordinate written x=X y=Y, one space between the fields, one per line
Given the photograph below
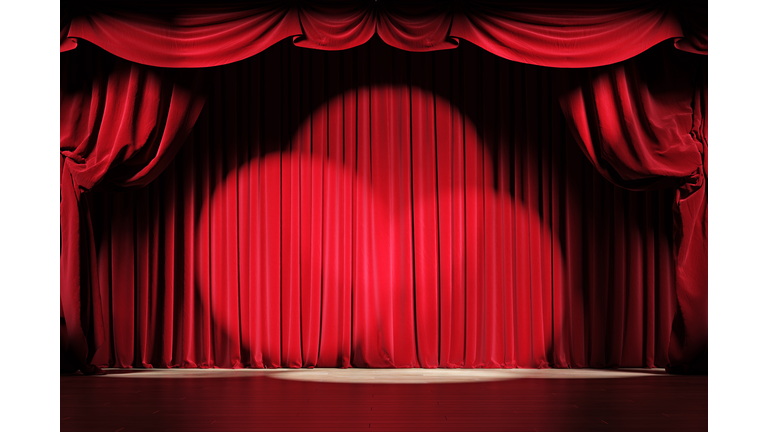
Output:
x=378 y=208
x=641 y=128
x=576 y=35
x=121 y=124
x=644 y=127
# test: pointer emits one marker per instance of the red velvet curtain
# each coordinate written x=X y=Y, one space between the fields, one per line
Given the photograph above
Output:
x=121 y=124
x=125 y=131
x=584 y=34
x=378 y=208
x=645 y=126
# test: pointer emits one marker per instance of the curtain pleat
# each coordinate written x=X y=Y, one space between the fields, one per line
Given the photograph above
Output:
x=545 y=33
x=642 y=124
x=379 y=208
x=121 y=124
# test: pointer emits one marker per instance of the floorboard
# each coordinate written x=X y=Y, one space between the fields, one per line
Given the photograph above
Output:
x=398 y=400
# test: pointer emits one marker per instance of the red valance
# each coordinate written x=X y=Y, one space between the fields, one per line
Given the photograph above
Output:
x=572 y=36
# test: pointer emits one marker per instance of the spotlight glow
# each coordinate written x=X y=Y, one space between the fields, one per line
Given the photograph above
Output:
x=390 y=376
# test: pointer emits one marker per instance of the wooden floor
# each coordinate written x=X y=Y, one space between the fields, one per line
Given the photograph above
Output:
x=383 y=399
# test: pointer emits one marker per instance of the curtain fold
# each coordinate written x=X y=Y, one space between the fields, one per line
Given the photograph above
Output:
x=642 y=123
x=642 y=128
x=693 y=19
x=121 y=125
x=566 y=37
x=556 y=35
x=378 y=208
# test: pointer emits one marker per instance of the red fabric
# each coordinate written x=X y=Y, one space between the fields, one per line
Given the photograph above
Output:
x=568 y=37
x=121 y=124
x=378 y=208
x=410 y=26
x=559 y=36
x=642 y=123
x=693 y=19
x=638 y=136
x=171 y=38
x=66 y=43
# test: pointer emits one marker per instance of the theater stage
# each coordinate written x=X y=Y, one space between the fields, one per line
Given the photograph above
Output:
x=126 y=400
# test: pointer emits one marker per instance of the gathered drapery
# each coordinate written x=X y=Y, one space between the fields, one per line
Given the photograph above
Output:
x=121 y=124
x=645 y=127
x=378 y=208
x=583 y=35
x=641 y=128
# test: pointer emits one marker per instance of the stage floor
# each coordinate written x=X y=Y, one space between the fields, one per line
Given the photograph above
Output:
x=127 y=400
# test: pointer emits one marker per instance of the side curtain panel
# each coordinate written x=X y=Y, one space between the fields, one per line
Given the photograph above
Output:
x=642 y=124
x=121 y=125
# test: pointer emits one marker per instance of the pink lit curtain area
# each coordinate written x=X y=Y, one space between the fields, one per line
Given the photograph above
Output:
x=381 y=208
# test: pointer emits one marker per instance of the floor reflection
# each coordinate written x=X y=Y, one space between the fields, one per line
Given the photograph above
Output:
x=389 y=376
